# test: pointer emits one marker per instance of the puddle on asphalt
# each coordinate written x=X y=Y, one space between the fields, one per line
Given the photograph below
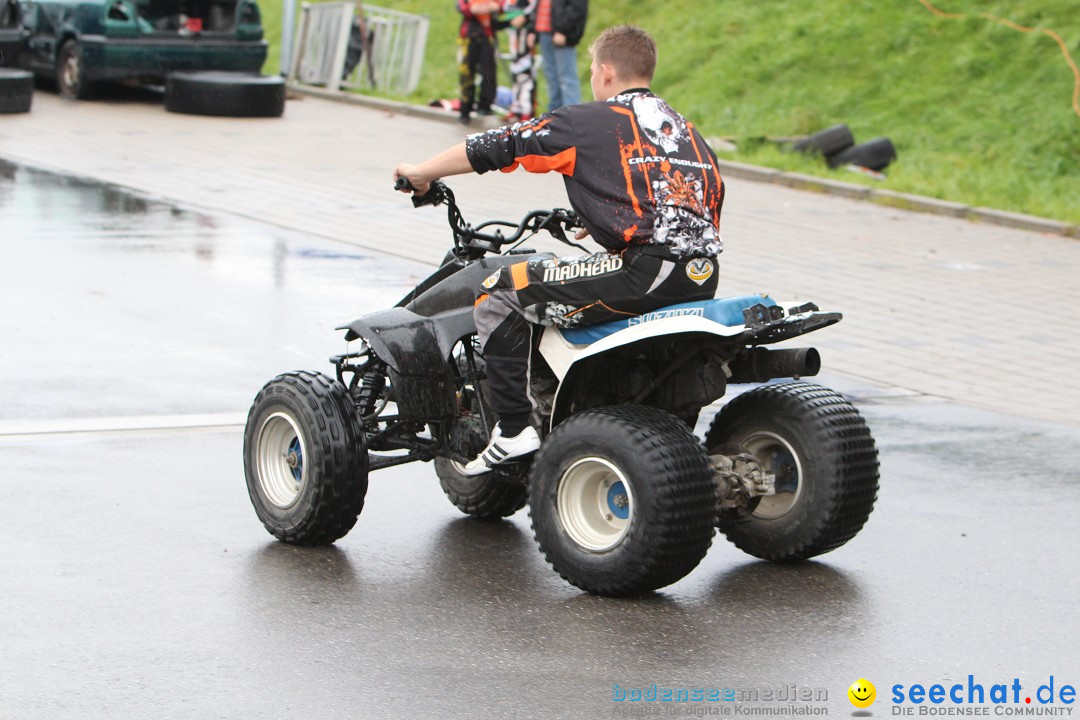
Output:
x=121 y=304
x=61 y=211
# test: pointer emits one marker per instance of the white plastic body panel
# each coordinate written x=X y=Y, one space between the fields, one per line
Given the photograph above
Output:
x=561 y=355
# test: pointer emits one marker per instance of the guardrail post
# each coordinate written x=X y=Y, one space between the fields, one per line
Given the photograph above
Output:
x=298 y=51
x=288 y=26
x=337 y=66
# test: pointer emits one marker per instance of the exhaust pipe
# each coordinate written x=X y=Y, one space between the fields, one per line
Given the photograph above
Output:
x=762 y=364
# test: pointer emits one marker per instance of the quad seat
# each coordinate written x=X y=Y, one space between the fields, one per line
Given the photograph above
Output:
x=726 y=311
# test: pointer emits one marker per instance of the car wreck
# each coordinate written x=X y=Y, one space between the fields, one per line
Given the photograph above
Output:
x=84 y=42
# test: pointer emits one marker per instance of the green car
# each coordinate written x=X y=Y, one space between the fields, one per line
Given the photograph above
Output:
x=82 y=42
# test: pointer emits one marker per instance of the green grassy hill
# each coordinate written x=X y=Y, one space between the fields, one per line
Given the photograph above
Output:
x=979 y=112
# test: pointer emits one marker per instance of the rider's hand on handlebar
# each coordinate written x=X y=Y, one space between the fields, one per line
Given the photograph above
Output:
x=407 y=171
x=581 y=234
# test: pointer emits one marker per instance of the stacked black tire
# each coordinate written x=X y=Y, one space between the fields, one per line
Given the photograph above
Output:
x=837 y=145
x=16 y=90
x=225 y=94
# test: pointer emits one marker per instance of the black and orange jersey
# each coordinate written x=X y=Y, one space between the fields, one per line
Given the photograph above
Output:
x=636 y=171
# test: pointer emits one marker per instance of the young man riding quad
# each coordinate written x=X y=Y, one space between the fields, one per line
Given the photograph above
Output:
x=646 y=188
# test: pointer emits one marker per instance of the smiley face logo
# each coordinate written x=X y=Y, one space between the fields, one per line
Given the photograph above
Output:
x=862 y=693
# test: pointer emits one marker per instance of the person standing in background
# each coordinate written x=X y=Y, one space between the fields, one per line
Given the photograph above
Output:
x=476 y=54
x=560 y=25
x=520 y=16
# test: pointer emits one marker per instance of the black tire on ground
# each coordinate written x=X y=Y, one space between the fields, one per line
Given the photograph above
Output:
x=71 y=80
x=826 y=466
x=875 y=154
x=622 y=500
x=225 y=94
x=305 y=459
x=827 y=142
x=16 y=90
x=480 y=496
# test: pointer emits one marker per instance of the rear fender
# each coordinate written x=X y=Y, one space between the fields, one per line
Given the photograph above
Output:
x=566 y=359
x=562 y=355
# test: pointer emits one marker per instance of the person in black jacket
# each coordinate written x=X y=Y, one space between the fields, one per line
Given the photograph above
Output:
x=647 y=189
x=560 y=25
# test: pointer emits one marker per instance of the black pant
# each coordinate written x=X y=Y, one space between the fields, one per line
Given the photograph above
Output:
x=573 y=292
x=476 y=54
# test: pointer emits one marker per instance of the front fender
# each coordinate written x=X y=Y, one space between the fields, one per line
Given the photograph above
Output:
x=417 y=338
x=416 y=349
x=409 y=343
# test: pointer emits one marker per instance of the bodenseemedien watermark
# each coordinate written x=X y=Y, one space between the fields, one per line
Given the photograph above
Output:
x=704 y=710
x=787 y=693
x=652 y=700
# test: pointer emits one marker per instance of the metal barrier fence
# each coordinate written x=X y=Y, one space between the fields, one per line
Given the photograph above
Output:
x=336 y=52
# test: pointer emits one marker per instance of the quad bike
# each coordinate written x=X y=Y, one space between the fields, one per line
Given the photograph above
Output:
x=624 y=499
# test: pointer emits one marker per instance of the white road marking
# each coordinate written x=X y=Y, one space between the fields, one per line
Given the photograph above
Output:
x=68 y=426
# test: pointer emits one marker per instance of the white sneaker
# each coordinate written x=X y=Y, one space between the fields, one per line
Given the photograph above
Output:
x=501 y=448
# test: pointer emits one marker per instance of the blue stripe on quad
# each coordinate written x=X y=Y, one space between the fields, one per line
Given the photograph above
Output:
x=726 y=311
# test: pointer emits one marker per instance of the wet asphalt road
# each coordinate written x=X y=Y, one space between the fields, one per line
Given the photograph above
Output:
x=135 y=580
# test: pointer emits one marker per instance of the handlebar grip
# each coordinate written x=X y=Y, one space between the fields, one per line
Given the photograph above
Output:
x=402 y=184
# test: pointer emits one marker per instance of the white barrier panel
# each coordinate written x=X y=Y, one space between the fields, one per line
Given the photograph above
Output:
x=336 y=53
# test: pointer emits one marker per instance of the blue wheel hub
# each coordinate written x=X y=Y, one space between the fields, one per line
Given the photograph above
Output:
x=786 y=471
x=296 y=459
x=618 y=501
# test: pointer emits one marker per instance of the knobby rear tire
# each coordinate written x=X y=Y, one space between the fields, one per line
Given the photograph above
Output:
x=813 y=435
x=667 y=484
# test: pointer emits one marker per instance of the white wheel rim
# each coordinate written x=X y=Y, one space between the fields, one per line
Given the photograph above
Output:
x=595 y=505
x=280 y=454
x=779 y=458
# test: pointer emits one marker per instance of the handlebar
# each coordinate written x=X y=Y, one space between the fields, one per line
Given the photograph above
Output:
x=468 y=238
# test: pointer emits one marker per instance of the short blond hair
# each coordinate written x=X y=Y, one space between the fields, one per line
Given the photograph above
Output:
x=628 y=49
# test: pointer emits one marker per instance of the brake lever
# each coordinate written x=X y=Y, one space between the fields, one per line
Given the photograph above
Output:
x=568 y=218
x=558 y=222
x=571 y=221
x=553 y=223
x=555 y=229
